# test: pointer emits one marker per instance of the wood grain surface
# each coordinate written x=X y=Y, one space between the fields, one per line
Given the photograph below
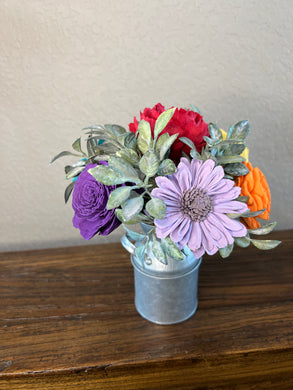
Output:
x=68 y=321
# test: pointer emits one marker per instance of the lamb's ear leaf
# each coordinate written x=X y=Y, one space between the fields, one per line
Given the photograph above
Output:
x=158 y=252
x=243 y=242
x=171 y=249
x=225 y=252
x=107 y=175
x=124 y=168
x=239 y=131
x=144 y=140
x=132 y=207
x=236 y=169
x=156 y=208
x=215 y=132
x=167 y=145
x=133 y=235
x=162 y=121
x=265 y=244
x=263 y=229
x=118 y=196
x=140 y=252
x=149 y=163
x=167 y=167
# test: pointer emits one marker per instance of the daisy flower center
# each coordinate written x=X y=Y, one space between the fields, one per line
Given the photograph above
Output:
x=196 y=204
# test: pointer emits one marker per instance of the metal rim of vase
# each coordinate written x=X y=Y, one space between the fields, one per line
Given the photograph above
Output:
x=167 y=276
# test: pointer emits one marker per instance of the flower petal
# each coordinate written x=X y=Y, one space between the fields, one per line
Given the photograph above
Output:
x=236 y=228
x=214 y=178
x=195 y=237
x=165 y=183
x=164 y=231
x=217 y=223
x=207 y=240
x=180 y=231
x=204 y=172
x=195 y=166
x=185 y=239
x=198 y=252
x=230 y=207
x=229 y=195
x=183 y=177
x=217 y=234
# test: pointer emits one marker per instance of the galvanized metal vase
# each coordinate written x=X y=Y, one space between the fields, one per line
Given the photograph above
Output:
x=164 y=294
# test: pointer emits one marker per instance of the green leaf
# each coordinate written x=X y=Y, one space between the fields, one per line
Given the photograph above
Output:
x=265 y=244
x=228 y=142
x=107 y=175
x=187 y=142
x=144 y=140
x=128 y=155
x=134 y=236
x=68 y=191
x=228 y=177
x=215 y=132
x=237 y=148
x=211 y=142
x=130 y=141
x=249 y=213
x=132 y=207
x=246 y=214
x=230 y=159
x=91 y=145
x=115 y=130
x=243 y=242
x=139 y=218
x=236 y=169
x=239 y=131
x=263 y=229
x=149 y=163
x=101 y=157
x=62 y=154
x=194 y=108
x=225 y=252
x=243 y=199
x=74 y=172
x=194 y=154
x=121 y=139
x=167 y=167
x=162 y=139
x=77 y=145
x=171 y=249
x=124 y=168
x=159 y=252
x=156 y=208
x=166 y=146
x=162 y=121
x=140 y=252
x=118 y=196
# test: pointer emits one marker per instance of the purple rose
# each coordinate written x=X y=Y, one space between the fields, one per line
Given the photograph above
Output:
x=89 y=202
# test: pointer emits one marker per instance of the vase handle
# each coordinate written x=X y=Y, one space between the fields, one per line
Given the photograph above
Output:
x=128 y=245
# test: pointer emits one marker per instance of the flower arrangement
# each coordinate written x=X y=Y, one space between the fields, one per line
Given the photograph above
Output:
x=190 y=182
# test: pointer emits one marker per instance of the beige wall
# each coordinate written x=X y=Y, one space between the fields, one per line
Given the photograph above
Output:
x=68 y=64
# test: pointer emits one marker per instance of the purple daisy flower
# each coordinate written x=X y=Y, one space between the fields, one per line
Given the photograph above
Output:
x=197 y=199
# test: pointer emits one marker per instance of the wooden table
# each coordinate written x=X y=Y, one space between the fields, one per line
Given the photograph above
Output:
x=68 y=321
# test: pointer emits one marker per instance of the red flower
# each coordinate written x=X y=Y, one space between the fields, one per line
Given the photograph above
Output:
x=186 y=123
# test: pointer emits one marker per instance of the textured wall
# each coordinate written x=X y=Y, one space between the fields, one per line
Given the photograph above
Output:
x=68 y=64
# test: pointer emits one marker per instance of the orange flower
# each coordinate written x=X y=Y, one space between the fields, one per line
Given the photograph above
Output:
x=255 y=186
